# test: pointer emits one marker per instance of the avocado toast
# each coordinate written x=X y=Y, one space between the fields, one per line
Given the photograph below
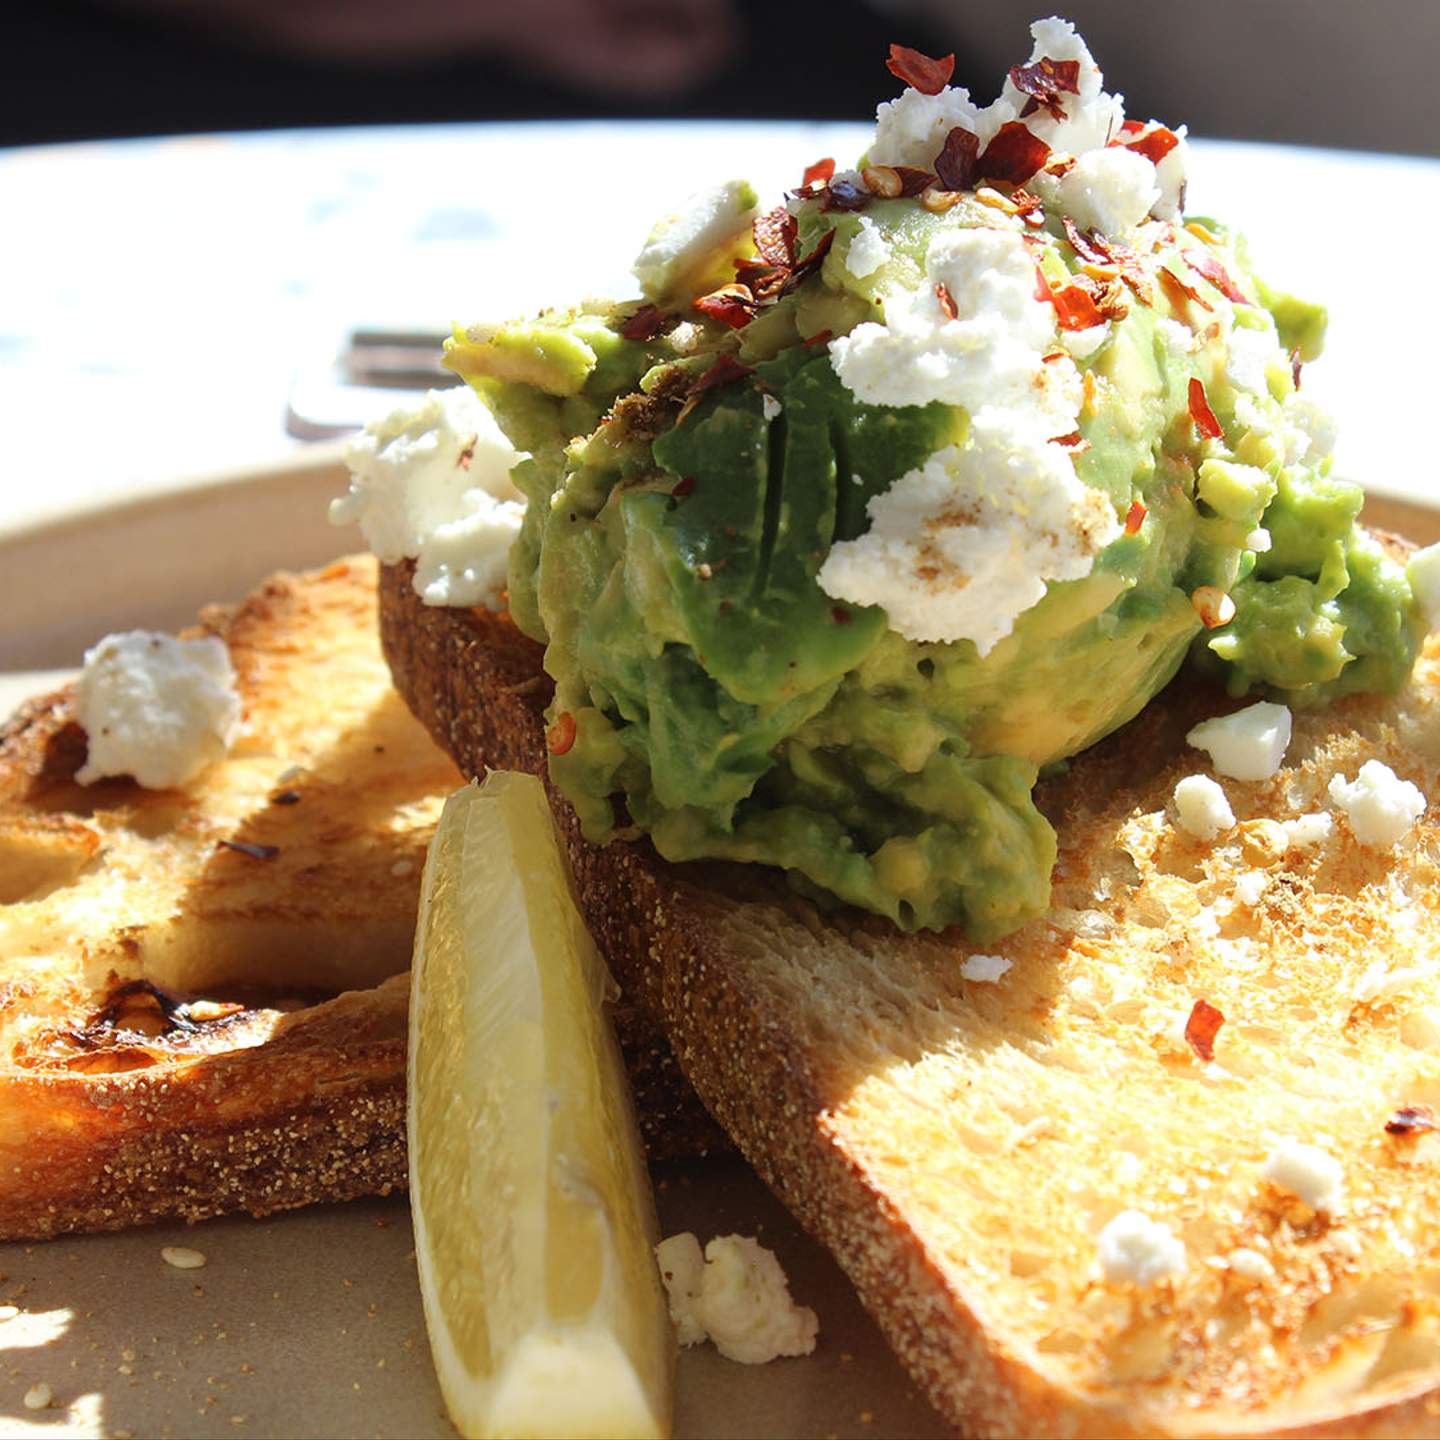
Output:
x=1118 y=1115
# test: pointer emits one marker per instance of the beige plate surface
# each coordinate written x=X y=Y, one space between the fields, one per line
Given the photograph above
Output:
x=309 y=1324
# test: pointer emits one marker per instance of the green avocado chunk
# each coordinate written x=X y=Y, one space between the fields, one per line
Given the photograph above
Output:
x=729 y=707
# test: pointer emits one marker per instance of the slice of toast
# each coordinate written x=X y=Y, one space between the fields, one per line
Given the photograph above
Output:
x=203 y=991
x=960 y=1145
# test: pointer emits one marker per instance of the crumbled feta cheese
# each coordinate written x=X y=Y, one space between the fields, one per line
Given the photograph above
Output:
x=1083 y=343
x=911 y=129
x=1307 y=1172
x=991 y=355
x=1249 y=354
x=1170 y=179
x=985 y=969
x=1305 y=831
x=433 y=484
x=1135 y=1250
x=1179 y=339
x=1250 y=887
x=1380 y=806
x=1423 y=572
x=770 y=407
x=961 y=547
x=156 y=708
x=680 y=242
x=1249 y=1264
x=1258 y=540
x=867 y=251
x=737 y=1296
x=1202 y=808
x=1110 y=190
x=1311 y=427
x=1248 y=744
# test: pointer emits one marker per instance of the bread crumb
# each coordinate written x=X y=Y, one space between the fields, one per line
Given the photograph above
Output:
x=1249 y=1264
x=39 y=1397
x=985 y=969
x=1309 y=1173
x=182 y=1257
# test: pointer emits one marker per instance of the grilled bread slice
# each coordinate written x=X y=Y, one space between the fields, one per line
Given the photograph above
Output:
x=202 y=990
x=960 y=1145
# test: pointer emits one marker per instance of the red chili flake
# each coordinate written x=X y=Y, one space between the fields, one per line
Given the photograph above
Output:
x=1074 y=442
x=1178 y=292
x=683 y=487
x=1202 y=414
x=844 y=195
x=840 y=615
x=1202 y=1027
x=1051 y=356
x=1155 y=146
x=775 y=237
x=1136 y=518
x=819 y=173
x=1095 y=249
x=955 y=165
x=1043 y=292
x=805 y=268
x=765 y=282
x=1295 y=366
x=462 y=461
x=1023 y=201
x=1216 y=274
x=647 y=322
x=913 y=179
x=1075 y=308
x=924 y=74
x=1089 y=247
x=250 y=848
x=1061 y=166
x=1132 y=127
x=1045 y=82
x=731 y=305
x=1411 y=1120
x=724 y=371
x=1014 y=155
x=561 y=735
x=820 y=337
x=947 y=301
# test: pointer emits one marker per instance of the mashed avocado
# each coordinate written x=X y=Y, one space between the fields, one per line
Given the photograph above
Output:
x=939 y=489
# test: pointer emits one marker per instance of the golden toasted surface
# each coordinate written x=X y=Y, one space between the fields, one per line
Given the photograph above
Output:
x=169 y=1040
x=960 y=1145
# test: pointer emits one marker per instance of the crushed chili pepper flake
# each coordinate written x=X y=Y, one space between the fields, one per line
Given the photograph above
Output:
x=1202 y=1027
x=819 y=173
x=1061 y=166
x=882 y=181
x=913 y=180
x=1051 y=356
x=775 y=236
x=724 y=371
x=1179 y=293
x=1043 y=293
x=252 y=849
x=683 y=487
x=1132 y=127
x=1155 y=145
x=1135 y=518
x=1411 y=1120
x=947 y=301
x=955 y=165
x=1092 y=248
x=648 y=322
x=1295 y=366
x=1214 y=607
x=731 y=305
x=1216 y=274
x=805 y=268
x=820 y=337
x=1074 y=442
x=921 y=72
x=938 y=201
x=560 y=737
x=1015 y=154
x=1075 y=308
x=1045 y=82
x=1201 y=413
x=840 y=615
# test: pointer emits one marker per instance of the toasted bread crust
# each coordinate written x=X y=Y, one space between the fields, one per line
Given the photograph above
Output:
x=122 y=1103
x=846 y=1062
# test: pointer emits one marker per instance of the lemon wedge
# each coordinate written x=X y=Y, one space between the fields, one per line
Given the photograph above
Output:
x=534 y=1219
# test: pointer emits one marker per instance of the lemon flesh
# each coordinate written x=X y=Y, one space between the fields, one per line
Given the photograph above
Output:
x=534 y=1220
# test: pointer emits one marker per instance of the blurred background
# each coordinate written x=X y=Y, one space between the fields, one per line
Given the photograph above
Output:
x=1319 y=72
